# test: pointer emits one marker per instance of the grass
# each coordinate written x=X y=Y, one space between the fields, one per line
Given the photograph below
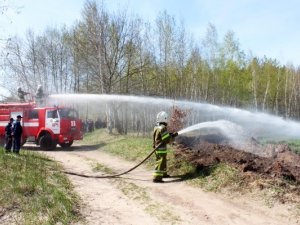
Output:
x=128 y=147
x=102 y=168
x=216 y=177
x=34 y=191
x=294 y=144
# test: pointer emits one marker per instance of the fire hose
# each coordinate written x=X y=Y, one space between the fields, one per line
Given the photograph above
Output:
x=172 y=135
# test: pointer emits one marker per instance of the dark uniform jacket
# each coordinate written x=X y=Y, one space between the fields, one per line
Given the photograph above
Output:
x=8 y=130
x=17 y=129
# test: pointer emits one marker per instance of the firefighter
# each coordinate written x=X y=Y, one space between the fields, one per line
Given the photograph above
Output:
x=161 y=137
x=21 y=94
x=17 y=134
x=8 y=135
x=39 y=95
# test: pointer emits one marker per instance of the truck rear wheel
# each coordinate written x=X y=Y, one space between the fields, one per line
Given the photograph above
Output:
x=46 y=142
x=66 y=145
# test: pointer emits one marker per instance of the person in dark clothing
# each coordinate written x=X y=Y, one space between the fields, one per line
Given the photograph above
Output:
x=17 y=134
x=39 y=95
x=8 y=135
x=21 y=94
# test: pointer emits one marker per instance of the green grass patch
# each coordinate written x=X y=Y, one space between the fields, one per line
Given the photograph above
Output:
x=133 y=191
x=294 y=144
x=180 y=167
x=212 y=178
x=129 y=147
x=100 y=137
x=216 y=177
x=34 y=191
x=99 y=167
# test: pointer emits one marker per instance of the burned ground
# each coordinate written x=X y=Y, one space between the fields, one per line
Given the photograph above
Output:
x=276 y=161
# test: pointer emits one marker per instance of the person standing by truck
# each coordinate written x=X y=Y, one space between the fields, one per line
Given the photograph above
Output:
x=8 y=135
x=17 y=134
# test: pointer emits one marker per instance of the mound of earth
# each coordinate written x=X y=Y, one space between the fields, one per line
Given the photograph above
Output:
x=270 y=160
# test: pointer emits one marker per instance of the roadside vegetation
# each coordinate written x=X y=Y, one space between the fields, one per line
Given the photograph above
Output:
x=294 y=144
x=34 y=191
x=129 y=147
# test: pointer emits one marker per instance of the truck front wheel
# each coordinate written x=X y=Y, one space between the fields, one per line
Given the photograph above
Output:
x=46 y=142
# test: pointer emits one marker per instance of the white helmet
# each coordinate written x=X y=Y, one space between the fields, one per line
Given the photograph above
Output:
x=162 y=117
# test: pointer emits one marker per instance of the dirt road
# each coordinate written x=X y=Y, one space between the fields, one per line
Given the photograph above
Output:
x=135 y=199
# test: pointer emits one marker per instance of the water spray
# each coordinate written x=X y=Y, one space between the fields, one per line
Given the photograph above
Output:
x=237 y=125
x=256 y=124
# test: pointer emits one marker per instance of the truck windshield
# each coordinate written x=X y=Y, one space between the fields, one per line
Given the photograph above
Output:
x=68 y=113
x=52 y=114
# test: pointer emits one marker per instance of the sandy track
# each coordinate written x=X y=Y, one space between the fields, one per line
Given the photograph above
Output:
x=135 y=199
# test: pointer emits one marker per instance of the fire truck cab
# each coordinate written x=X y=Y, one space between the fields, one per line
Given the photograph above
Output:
x=45 y=126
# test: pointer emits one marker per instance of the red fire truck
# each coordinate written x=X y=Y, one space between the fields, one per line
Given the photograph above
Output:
x=46 y=126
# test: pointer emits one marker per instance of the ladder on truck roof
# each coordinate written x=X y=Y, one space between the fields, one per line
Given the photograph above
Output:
x=7 y=108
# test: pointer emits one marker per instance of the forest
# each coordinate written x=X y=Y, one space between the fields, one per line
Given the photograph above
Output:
x=119 y=53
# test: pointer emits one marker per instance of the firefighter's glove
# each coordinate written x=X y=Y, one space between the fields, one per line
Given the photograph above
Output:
x=174 y=134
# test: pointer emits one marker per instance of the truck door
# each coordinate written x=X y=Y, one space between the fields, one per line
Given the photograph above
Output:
x=31 y=124
x=53 y=121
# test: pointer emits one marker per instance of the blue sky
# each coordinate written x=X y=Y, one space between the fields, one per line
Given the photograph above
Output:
x=265 y=27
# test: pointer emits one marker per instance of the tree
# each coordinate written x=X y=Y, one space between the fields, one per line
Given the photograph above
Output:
x=231 y=64
x=211 y=54
x=166 y=39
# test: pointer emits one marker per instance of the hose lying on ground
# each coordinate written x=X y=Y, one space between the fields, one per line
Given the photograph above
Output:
x=166 y=140
x=113 y=175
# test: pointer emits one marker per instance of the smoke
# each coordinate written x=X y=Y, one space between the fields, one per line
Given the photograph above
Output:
x=232 y=121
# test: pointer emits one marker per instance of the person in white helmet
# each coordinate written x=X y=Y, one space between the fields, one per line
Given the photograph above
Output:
x=161 y=137
x=39 y=95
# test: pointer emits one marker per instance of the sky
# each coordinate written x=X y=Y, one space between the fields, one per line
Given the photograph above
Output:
x=264 y=27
